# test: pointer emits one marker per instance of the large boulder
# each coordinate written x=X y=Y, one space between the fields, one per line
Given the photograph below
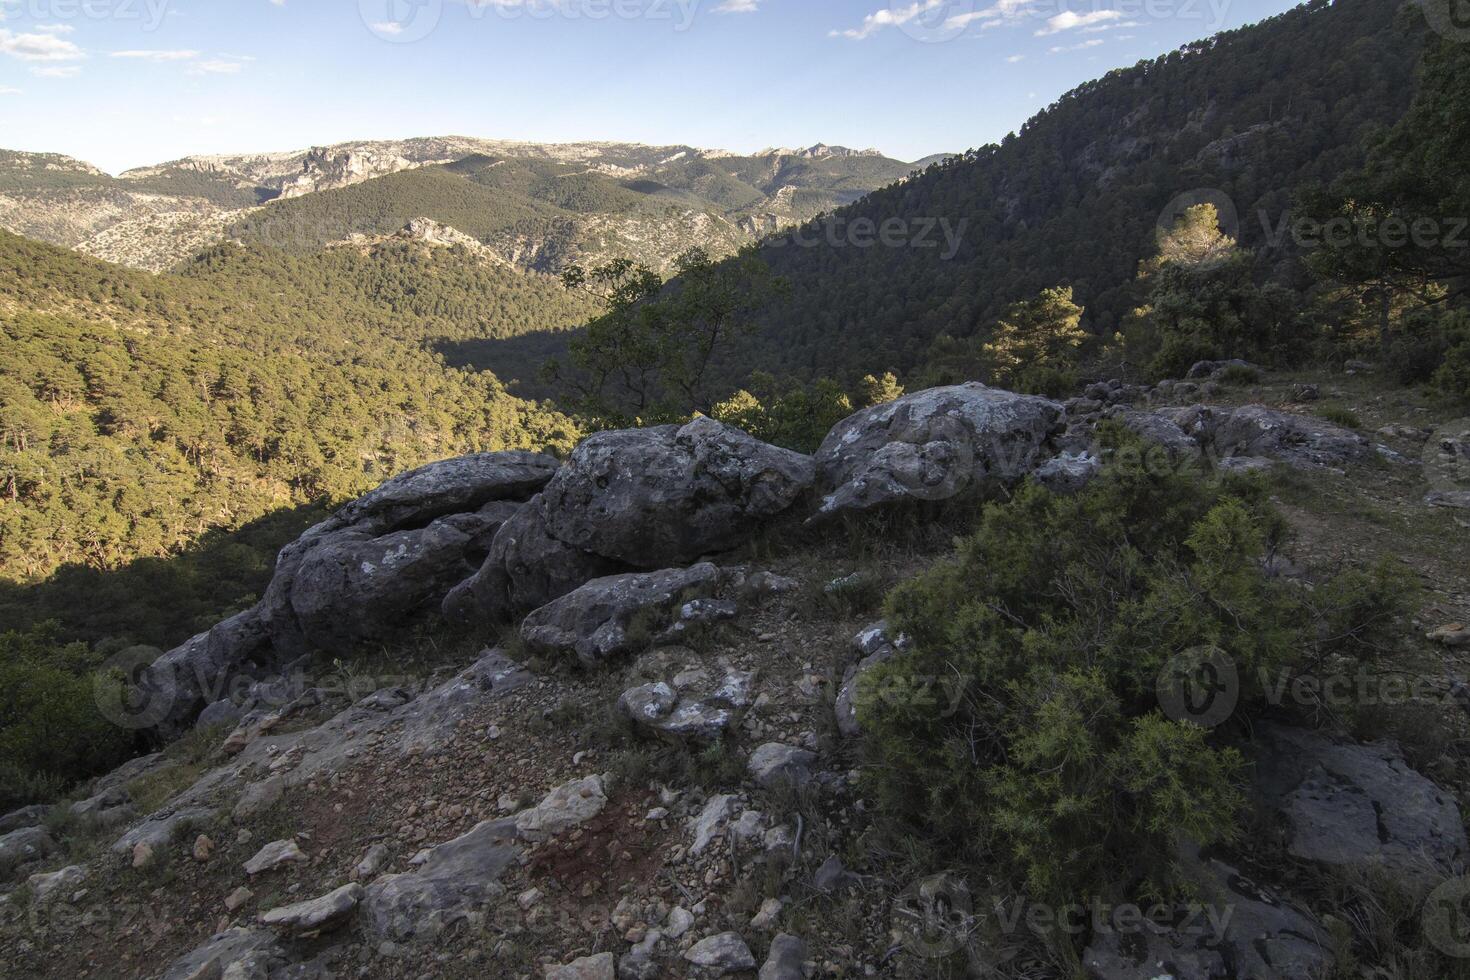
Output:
x=234 y=952
x=1257 y=432
x=526 y=569
x=663 y=496
x=175 y=688
x=355 y=587
x=459 y=878
x=611 y=616
x=933 y=445
x=1355 y=806
x=404 y=545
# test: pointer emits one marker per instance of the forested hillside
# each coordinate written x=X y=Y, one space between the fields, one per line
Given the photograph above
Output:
x=1076 y=197
x=140 y=412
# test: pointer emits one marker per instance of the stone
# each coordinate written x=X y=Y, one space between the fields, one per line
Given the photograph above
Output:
x=599 y=967
x=20 y=847
x=832 y=877
x=371 y=862
x=637 y=965
x=1210 y=370
x=934 y=445
x=250 y=953
x=1451 y=635
x=221 y=714
x=316 y=915
x=1163 y=431
x=1245 y=933
x=775 y=762
x=565 y=807
x=457 y=879
x=258 y=797
x=203 y=848
x=767 y=916
x=723 y=953
x=787 y=959
x=666 y=495
x=26 y=816
x=875 y=648
x=1305 y=392
x=1257 y=432
x=691 y=709
x=275 y=855
x=1354 y=806
x=680 y=921
x=238 y=897
x=107 y=808
x=45 y=887
x=175 y=688
x=716 y=812
x=596 y=621
x=1068 y=473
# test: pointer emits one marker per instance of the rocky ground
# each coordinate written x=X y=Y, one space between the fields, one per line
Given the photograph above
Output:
x=653 y=774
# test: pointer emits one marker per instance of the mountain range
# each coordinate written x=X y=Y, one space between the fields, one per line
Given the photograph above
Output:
x=535 y=206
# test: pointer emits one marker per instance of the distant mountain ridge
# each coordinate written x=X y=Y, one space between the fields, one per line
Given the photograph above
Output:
x=155 y=217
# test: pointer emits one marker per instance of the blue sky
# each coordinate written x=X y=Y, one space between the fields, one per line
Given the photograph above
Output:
x=123 y=83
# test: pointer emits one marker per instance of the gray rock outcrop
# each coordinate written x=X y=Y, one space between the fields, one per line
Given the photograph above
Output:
x=458 y=878
x=932 y=445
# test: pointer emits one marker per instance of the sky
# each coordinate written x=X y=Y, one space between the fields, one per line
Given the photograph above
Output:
x=126 y=83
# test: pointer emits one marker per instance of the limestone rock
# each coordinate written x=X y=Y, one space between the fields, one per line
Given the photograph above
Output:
x=932 y=445
x=45 y=887
x=599 y=967
x=275 y=855
x=315 y=915
x=724 y=953
x=693 y=712
x=26 y=816
x=663 y=496
x=595 y=621
x=875 y=647
x=458 y=878
x=248 y=952
x=565 y=807
x=775 y=762
x=1358 y=806
x=787 y=960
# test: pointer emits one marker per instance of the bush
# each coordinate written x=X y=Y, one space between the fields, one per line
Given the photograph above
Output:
x=1338 y=415
x=1047 y=633
x=52 y=734
x=1240 y=376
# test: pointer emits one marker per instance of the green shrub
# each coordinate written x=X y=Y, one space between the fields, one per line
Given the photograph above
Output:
x=1338 y=415
x=1240 y=376
x=1047 y=633
x=52 y=734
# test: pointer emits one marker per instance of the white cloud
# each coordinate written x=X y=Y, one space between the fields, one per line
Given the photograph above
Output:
x=739 y=7
x=1070 y=20
x=1002 y=11
x=59 y=71
x=215 y=66
x=157 y=55
x=55 y=28
x=7 y=90
x=38 y=47
x=1075 y=47
x=1015 y=58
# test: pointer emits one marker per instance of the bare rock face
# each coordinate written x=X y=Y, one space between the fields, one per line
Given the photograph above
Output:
x=596 y=622
x=176 y=687
x=1243 y=932
x=565 y=807
x=664 y=496
x=19 y=847
x=933 y=445
x=1358 y=806
x=527 y=568
x=400 y=549
x=315 y=915
x=459 y=878
x=234 y=953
